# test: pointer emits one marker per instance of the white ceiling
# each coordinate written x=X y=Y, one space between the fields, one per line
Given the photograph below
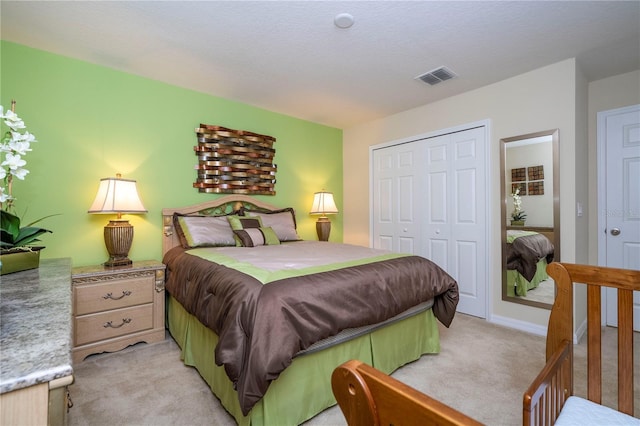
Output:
x=288 y=57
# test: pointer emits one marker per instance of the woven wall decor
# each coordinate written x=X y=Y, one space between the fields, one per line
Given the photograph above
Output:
x=234 y=161
x=519 y=175
x=535 y=173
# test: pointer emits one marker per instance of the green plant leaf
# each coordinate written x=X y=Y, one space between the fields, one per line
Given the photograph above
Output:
x=28 y=235
x=6 y=240
x=41 y=219
x=10 y=224
x=15 y=236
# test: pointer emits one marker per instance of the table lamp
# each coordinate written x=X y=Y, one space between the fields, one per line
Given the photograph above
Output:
x=117 y=196
x=323 y=204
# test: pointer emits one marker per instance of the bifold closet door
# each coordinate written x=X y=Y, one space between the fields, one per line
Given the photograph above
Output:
x=454 y=224
x=429 y=198
x=397 y=205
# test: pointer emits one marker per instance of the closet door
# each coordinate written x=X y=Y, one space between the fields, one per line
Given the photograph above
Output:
x=455 y=223
x=429 y=198
x=397 y=174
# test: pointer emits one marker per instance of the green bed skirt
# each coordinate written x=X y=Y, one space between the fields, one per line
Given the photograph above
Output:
x=517 y=285
x=304 y=388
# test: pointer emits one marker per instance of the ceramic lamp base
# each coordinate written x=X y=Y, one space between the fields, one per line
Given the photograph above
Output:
x=118 y=236
x=323 y=228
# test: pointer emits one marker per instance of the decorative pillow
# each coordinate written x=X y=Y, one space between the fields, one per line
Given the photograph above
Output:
x=253 y=237
x=282 y=221
x=203 y=231
x=239 y=223
x=243 y=222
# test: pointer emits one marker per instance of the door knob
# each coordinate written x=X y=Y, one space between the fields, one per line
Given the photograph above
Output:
x=615 y=231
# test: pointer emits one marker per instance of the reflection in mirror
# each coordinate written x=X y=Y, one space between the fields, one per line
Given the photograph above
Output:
x=530 y=216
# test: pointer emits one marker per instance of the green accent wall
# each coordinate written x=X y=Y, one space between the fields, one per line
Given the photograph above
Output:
x=92 y=122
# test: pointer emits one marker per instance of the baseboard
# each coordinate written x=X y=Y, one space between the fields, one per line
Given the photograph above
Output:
x=579 y=332
x=519 y=325
x=534 y=328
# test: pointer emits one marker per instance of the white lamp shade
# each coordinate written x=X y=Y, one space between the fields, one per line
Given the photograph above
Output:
x=323 y=203
x=117 y=195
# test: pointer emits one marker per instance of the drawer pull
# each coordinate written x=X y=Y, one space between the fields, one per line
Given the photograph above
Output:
x=110 y=323
x=69 y=401
x=110 y=295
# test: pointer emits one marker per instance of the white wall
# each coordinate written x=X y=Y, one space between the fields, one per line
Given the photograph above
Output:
x=540 y=100
x=538 y=208
x=581 y=196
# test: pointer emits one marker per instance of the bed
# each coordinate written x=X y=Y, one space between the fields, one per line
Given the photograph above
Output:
x=267 y=351
x=550 y=399
x=528 y=254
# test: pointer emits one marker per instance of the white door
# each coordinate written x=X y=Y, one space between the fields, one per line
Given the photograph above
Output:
x=619 y=198
x=455 y=230
x=429 y=198
x=398 y=172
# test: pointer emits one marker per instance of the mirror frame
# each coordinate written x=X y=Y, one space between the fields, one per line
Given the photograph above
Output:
x=503 y=210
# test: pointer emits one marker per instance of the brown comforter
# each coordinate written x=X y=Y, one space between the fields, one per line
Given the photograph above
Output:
x=525 y=252
x=262 y=327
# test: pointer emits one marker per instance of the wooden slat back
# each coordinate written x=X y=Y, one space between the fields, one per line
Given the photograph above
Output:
x=594 y=344
x=625 y=357
x=368 y=397
x=561 y=322
x=547 y=394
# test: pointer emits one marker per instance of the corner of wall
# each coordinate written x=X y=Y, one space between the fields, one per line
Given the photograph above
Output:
x=582 y=168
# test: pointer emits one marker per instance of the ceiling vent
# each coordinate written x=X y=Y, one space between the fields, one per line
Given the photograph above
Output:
x=437 y=75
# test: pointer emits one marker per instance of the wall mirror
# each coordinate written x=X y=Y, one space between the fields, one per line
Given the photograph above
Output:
x=530 y=216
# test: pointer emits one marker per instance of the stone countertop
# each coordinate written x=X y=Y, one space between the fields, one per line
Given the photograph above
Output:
x=35 y=325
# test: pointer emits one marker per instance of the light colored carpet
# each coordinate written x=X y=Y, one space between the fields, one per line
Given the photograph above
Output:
x=545 y=292
x=482 y=370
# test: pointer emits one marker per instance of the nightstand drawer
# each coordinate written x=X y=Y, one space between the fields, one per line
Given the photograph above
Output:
x=114 y=307
x=119 y=322
x=113 y=295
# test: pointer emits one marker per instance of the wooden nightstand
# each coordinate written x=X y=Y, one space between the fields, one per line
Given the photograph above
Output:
x=117 y=307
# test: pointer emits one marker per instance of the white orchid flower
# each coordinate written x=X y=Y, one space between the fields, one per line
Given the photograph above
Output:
x=26 y=137
x=12 y=120
x=14 y=144
x=517 y=200
x=13 y=161
x=20 y=173
x=20 y=147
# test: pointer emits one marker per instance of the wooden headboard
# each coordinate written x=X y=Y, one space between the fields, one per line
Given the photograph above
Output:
x=219 y=206
x=547 y=232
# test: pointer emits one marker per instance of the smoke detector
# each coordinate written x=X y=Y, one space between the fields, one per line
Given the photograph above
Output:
x=437 y=75
x=343 y=20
